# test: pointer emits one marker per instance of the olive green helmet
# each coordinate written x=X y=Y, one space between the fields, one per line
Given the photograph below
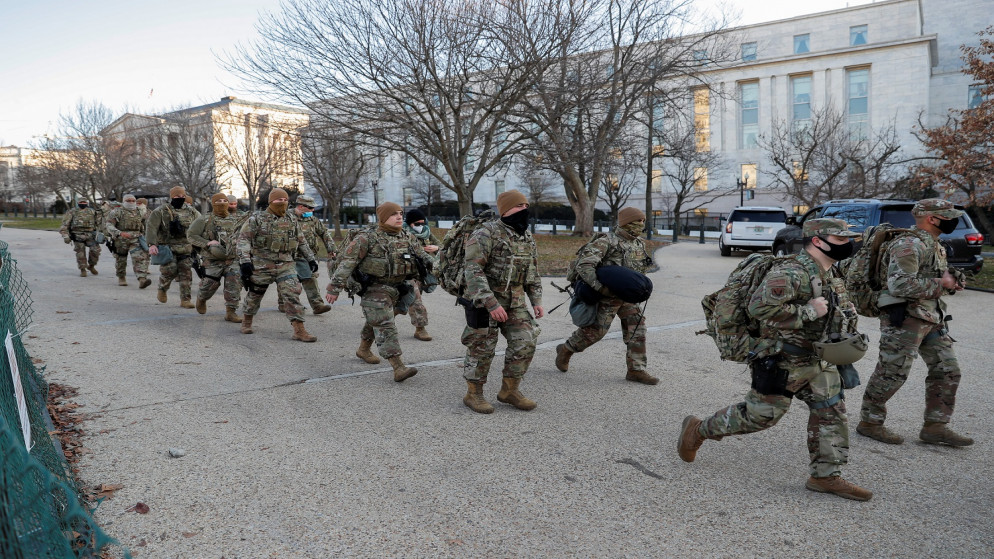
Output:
x=845 y=351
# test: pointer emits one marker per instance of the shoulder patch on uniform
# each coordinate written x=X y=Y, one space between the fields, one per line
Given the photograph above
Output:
x=776 y=289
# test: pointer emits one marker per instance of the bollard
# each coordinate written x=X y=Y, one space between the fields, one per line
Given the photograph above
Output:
x=676 y=234
x=702 y=235
x=554 y=223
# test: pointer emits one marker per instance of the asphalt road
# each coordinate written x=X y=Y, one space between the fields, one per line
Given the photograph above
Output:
x=302 y=450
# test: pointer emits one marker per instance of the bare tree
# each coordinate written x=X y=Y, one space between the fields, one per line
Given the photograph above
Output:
x=621 y=181
x=435 y=81
x=257 y=149
x=182 y=151
x=586 y=101
x=334 y=165
x=426 y=190
x=685 y=168
x=825 y=159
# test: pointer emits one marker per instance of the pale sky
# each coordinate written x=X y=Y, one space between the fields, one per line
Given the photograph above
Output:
x=152 y=56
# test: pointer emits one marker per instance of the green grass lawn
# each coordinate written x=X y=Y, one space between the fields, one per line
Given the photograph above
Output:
x=43 y=223
x=984 y=279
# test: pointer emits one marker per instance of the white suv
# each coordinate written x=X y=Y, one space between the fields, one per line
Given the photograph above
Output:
x=751 y=228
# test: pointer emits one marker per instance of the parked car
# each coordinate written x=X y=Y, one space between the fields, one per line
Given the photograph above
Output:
x=963 y=246
x=751 y=228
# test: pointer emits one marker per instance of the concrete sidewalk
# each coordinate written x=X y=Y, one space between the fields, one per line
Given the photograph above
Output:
x=302 y=450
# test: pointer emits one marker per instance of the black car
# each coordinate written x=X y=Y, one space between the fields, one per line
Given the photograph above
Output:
x=963 y=245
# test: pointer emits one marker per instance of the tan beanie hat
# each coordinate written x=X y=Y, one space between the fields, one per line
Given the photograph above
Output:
x=385 y=210
x=177 y=192
x=277 y=193
x=628 y=215
x=218 y=197
x=509 y=199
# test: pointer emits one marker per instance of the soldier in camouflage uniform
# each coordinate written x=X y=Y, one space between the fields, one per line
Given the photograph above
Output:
x=143 y=207
x=416 y=223
x=266 y=246
x=126 y=225
x=621 y=247
x=912 y=322
x=501 y=270
x=792 y=310
x=215 y=236
x=80 y=226
x=315 y=232
x=167 y=225
x=386 y=254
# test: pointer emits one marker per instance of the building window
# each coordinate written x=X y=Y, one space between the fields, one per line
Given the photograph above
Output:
x=975 y=97
x=701 y=57
x=657 y=181
x=701 y=179
x=802 y=43
x=749 y=115
x=748 y=52
x=498 y=187
x=658 y=105
x=748 y=173
x=408 y=196
x=800 y=92
x=857 y=35
x=702 y=118
x=701 y=212
x=858 y=90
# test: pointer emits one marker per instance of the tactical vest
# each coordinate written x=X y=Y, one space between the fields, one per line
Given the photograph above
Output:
x=628 y=253
x=129 y=221
x=388 y=257
x=309 y=227
x=222 y=229
x=83 y=221
x=274 y=233
x=510 y=261
x=185 y=216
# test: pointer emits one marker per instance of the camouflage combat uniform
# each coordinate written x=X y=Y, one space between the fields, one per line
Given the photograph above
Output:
x=80 y=226
x=780 y=304
x=618 y=248
x=388 y=258
x=501 y=270
x=314 y=231
x=121 y=220
x=159 y=231
x=269 y=242
x=418 y=312
x=914 y=264
x=220 y=261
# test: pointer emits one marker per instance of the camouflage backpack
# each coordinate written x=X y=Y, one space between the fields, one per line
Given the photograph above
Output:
x=452 y=252
x=352 y=285
x=725 y=311
x=571 y=275
x=862 y=271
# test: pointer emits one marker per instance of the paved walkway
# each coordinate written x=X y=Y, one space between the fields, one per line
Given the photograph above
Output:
x=301 y=450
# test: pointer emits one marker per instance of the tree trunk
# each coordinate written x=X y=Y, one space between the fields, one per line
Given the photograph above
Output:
x=336 y=218
x=465 y=204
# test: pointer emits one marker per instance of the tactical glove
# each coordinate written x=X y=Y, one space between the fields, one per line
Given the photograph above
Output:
x=313 y=264
x=67 y=240
x=246 y=268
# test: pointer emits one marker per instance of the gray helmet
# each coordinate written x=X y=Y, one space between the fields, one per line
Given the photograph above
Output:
x=848 y=349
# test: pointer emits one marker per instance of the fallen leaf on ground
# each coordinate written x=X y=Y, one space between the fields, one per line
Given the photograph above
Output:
x=140 y=508
x=190 y=534
x=108 y=489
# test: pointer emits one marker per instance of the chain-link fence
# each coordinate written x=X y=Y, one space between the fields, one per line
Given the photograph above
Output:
x=41 y=513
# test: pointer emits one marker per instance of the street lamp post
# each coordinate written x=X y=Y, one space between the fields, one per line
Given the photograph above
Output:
x=742 y=183
x=376 y=193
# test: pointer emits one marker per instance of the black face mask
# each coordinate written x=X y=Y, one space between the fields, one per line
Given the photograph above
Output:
x=517 y=221
x=177 y=202
x=83 y=206
x=947 y=226
x=838 y=252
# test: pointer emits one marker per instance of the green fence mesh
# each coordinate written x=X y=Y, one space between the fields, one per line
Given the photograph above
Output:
x=41 y=514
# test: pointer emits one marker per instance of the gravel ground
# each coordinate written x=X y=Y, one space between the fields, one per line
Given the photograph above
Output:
x=301 y=450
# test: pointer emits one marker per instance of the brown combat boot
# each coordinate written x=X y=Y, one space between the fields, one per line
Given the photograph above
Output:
x=641 y=376
x=321 y=308
x=401 y=372
x=365 y=354
x=144 y=282
x=562 y=357
x=422 y=334
x=186 y=304
x=509 y=394
x=231 y=316
x=201 y=305
x=93 y=270
x=123 y=282
x=161 y=296
x=878 y=432
x=82 y=272
x=838 y=486
x=247 y=324
x=474 y=399
x=940 y=433
x=690 y=439
x=300 y=333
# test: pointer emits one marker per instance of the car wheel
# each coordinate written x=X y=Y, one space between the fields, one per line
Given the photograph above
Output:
x=780 y=250
x=725 y=250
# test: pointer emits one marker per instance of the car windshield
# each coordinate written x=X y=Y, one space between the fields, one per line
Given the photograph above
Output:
x=759 y=216
x=898 y=216
x=857 y=216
